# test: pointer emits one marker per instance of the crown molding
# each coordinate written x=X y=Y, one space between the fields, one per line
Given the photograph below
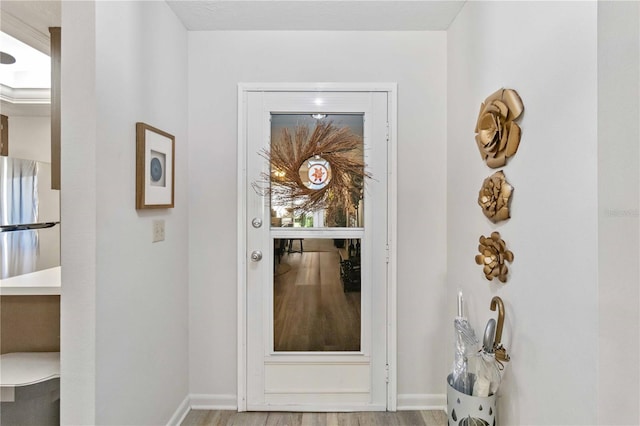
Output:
x=25 y=96
x=24 y=32
x=25 y=110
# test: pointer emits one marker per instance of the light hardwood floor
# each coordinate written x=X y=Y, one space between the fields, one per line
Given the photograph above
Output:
x=369 y=418
x=311 y=310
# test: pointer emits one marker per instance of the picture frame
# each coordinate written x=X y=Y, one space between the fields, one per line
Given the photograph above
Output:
x=4 y=135
x=155 y=168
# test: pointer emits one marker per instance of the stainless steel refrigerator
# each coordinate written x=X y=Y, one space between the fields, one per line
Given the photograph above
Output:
x=29 y=218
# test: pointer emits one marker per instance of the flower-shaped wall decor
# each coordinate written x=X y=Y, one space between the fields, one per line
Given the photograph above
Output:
x=495 y=197
x=497 y=135
x=493 y=254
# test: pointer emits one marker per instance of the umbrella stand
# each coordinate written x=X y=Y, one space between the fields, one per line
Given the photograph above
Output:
x=468 y=410
x=473 y=383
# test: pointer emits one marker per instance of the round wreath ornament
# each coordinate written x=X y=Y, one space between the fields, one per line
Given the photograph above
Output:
x=315 y=173
x=497 y=135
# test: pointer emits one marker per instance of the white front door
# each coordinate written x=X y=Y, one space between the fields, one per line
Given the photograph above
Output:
x=314 y=285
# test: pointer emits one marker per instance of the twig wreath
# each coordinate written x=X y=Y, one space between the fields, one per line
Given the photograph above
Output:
x=310 y=168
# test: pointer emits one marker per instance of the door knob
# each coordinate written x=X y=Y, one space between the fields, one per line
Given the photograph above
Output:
x=256 y=222
x=256 y=256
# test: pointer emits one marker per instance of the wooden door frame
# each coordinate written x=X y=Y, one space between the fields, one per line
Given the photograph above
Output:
x=391 y=90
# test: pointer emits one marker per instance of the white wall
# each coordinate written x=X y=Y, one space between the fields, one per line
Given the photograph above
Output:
x=547 y=51
x=78 y=216
x=142 y=287
x=618 y=202
x=220 y=60
x=135 y=293
x=30 y=137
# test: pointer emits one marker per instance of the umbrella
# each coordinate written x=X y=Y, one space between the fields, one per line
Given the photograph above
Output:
x=498 y=349
x=490 y=359
x=462 y=377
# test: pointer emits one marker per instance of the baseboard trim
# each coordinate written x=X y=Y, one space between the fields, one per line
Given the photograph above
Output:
x=181 y=412
x=229 y=402
x=422 y=401
x=213 y=402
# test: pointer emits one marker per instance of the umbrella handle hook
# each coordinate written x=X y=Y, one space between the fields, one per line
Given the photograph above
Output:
x=496 y=301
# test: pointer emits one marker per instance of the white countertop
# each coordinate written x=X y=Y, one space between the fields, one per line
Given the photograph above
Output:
x=45 y=282
x=26 y=368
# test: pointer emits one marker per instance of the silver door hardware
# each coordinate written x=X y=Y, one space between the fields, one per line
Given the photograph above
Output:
x=256 y=222
x=256 y=256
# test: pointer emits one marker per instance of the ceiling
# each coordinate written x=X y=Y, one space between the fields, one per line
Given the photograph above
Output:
x=249 y=15
x=28 y=21
x=30 y=69
x=316 y=15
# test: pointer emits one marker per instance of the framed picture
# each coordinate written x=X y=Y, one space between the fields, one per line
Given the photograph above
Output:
x=4 y=135
x=155 y=166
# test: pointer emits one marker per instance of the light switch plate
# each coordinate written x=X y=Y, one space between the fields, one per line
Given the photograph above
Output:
x=158 y=231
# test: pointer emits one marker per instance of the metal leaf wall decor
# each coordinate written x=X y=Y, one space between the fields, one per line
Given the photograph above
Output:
x=492 y=257
x=497 y=135
x=495 y=197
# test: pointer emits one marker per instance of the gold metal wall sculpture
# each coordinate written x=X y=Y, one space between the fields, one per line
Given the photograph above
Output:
x=493 y=254
x=497 y=135
x=495 y=197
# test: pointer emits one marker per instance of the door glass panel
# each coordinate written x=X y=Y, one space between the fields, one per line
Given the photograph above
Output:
x=341 y=210
x=316 y=292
